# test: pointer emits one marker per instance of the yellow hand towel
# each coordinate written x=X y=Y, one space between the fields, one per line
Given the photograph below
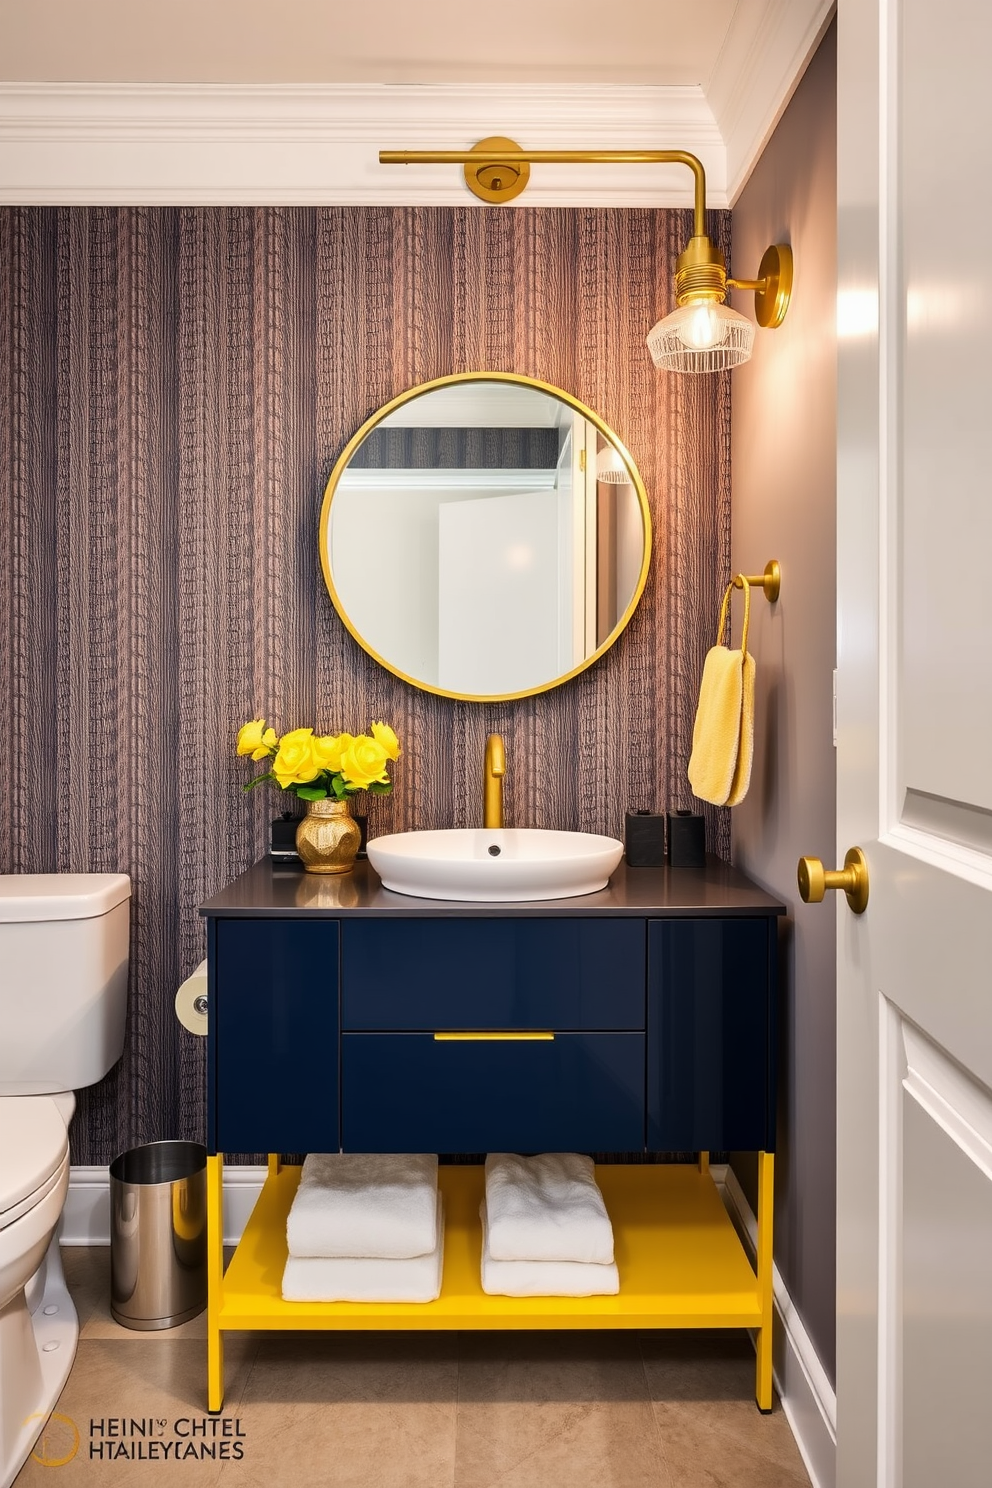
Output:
x=723 y=733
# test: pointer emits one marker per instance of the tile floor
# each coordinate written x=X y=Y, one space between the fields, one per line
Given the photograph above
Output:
x=401 y=1410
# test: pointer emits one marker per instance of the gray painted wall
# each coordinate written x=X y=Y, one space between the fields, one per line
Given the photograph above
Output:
x=783 y=502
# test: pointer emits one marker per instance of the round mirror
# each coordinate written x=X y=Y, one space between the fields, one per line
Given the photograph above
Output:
x=485 y=536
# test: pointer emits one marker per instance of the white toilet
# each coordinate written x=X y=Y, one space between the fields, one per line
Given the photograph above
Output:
x=63 y=999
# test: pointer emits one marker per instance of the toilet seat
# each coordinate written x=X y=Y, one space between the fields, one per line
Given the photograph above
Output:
x=34 y=1145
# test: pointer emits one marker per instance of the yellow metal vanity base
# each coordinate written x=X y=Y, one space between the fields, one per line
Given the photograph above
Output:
x=681 y=1266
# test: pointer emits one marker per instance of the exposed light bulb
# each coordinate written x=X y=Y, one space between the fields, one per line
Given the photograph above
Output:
x=704 y=336
x=703 y=328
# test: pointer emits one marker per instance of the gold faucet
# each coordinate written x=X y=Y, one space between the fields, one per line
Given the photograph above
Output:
x=492 y=782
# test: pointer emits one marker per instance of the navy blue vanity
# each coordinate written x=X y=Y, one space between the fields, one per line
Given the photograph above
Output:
x=637 y=1019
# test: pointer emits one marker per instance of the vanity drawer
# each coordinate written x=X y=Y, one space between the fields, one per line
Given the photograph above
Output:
x=414 y=1092
x=423 y=975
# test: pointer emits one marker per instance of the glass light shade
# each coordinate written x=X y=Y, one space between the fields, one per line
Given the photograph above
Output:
x=611 y=468
x=701 y=337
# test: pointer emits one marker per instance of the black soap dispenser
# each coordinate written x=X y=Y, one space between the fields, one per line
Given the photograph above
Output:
x=686 y=840
x=644 y=839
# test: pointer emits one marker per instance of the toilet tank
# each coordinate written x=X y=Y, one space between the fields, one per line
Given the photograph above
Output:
x=63 y=979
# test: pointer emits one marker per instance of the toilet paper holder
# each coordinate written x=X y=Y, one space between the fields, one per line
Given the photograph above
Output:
x=193 y=1001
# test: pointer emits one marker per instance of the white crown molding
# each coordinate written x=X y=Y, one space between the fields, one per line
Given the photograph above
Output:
x=766 y=51
x=449 y=481
x=188 y=143
x=172 y=144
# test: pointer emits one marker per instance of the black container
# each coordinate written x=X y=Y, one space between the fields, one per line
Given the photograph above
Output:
x=644 y=839
x=686 y=840
x=282 y=838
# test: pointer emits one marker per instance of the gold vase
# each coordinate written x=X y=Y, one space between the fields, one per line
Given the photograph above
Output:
x=328 y=837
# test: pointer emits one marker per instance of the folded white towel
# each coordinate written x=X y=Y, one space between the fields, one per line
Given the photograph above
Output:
x=365 y=1278
x=544 y=1278
x=546 y=1208
x=377 y=1204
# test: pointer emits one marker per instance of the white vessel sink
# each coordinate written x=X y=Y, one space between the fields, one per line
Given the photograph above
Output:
x=498 y=865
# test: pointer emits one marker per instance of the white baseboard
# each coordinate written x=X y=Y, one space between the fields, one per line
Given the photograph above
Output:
x=242 y=1187
x=807 y=1396
x=86 y=1216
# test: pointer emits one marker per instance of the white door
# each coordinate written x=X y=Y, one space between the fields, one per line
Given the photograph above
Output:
x=498 y=593
x=914 y=1367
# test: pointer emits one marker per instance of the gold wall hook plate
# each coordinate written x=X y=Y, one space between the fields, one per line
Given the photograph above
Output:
x=772 y=301
x=770 y=581
x=501 y=182
x=814 y=879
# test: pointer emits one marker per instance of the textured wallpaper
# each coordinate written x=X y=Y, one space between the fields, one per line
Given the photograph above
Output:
x=175 y=385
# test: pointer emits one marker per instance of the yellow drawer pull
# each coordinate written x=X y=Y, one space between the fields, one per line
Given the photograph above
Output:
x=492 y=1036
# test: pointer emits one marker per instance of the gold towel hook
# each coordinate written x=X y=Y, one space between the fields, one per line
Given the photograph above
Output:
x=770 y=581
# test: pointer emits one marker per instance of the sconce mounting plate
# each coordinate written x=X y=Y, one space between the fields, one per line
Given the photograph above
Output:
x=772 y=301
x=497 y=182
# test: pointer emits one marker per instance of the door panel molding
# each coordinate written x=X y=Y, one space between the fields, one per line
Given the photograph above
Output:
x=957 y=1102
x=912 y=1066
x=947 y=834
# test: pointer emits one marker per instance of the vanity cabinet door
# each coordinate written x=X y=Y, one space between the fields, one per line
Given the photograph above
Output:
x=492 y=973
x=273 y=1036
x=411 y=1092
x=710 y=1047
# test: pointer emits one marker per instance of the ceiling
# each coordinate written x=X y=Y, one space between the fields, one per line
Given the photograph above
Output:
x=656 y=42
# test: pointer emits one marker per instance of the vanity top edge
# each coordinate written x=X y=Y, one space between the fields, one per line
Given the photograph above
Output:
x=279 y=890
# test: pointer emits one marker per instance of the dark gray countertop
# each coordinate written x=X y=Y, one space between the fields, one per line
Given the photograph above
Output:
x=279 y=890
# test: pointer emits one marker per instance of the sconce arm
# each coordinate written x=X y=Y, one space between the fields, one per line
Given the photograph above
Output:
x=482 y=157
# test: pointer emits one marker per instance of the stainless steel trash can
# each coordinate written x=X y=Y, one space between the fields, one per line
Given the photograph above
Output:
x=158 y=1234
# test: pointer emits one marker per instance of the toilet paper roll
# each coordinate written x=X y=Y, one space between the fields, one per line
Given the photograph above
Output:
x=191 y=1001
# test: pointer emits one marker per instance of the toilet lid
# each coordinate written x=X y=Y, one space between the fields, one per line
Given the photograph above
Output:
x=33 y=1145
x=60 y=896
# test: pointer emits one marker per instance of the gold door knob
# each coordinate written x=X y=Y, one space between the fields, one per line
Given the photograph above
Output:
x=814 y=879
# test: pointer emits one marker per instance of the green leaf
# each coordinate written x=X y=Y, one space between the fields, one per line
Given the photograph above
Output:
x=310 y=793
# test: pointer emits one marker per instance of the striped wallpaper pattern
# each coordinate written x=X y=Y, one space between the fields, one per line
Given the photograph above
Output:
x=176 y=384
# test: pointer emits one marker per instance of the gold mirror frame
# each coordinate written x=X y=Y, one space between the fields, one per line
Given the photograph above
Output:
x=344 y=460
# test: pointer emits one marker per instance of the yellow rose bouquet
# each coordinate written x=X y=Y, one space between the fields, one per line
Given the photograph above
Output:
x=317 y=766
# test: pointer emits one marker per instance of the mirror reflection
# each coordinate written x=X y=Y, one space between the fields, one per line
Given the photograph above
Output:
x=485 y=536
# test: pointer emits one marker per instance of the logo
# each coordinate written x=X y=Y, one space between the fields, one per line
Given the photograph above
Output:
x=58 y=1442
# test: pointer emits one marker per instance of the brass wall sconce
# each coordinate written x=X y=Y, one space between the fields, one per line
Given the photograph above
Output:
x=703 y=334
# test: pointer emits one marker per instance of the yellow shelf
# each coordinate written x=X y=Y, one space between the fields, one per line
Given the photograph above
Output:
x=681 y=1264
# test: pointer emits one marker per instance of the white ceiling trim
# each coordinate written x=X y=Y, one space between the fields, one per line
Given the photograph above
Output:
x=201 y=143
x=462 y=481
x=172 y=144
x=766 y=51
